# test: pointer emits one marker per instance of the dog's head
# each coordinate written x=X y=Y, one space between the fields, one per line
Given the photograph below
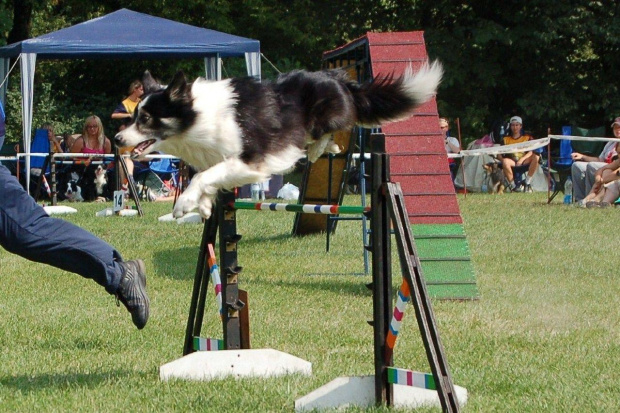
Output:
x=491 y=168
x=73 y=193
x=162 y=114
x=101 y=179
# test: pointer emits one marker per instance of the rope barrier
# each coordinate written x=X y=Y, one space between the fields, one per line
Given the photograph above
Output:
x=584 y=138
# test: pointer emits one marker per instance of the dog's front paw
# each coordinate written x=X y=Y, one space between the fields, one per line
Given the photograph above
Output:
x=205 y=206
x=185 y=204
x=332 y=147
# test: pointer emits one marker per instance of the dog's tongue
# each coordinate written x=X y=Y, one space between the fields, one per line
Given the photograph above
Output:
x=137 y=151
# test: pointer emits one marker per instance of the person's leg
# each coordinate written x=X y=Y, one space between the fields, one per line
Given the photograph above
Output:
x=27 y=230
x=591 y=168
x=612 y=192
x=533 y=162
x=578 y=177
x=507 y=164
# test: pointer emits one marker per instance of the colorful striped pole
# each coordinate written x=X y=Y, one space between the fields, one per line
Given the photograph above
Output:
x=411 y=378
x=214 y=270
x=404 y=296
x=303 y=208
x=208 y=344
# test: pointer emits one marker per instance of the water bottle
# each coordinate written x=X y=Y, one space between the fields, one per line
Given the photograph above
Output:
x=485 y=187
x=502 y=132
x=255 y=191
x=568 y=192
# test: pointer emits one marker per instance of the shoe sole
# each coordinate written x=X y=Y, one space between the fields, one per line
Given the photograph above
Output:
x=142 y=283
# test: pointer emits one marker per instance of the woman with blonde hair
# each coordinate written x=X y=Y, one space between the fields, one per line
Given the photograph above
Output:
x=92 y=140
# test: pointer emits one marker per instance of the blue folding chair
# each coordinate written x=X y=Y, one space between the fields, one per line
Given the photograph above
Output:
x=40 y=164
x=558 y=168
x=159 y=171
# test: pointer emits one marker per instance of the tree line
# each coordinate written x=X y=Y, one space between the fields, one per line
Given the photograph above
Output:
x=553 y=63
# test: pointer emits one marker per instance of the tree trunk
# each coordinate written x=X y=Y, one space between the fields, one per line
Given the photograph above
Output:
x=22 y=20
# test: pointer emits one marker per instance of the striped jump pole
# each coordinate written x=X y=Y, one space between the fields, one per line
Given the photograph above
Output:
x=404 y=296
x=214 y=271
x=411 y=378
x=303 y=208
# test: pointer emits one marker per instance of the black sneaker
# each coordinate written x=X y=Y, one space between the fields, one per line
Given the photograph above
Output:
x=520 y=188
x=132 y=292
x=528 y=188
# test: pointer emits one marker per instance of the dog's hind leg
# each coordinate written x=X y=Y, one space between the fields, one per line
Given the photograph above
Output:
x=324 y=145
x=203 y=188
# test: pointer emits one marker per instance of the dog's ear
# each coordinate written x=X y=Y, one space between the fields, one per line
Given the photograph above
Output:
x=149 y=83
x=177 y=89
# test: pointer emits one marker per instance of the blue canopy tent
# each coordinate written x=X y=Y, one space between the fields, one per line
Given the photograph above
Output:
x=107 y=37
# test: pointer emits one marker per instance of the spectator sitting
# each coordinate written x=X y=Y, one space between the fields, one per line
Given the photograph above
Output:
x=606 y=187
x=124 y=111
x=67 y=142
x=510 y=160
x=54 y=142
x=452 y=144
x=584 y=167
x=92 y=139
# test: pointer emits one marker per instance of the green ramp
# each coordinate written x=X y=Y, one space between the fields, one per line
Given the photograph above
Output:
x=446 y=261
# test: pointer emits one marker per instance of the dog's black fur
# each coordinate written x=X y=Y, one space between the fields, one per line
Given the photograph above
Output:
x=239 y=131
x=496 y=175
x=94 y=183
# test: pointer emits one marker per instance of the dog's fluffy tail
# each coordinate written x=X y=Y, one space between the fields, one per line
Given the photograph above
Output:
x=390 y=100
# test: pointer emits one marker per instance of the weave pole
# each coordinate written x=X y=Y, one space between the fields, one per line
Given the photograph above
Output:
x=303 y=208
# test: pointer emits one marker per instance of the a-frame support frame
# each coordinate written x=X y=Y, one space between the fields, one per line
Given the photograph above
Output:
x=388 y=207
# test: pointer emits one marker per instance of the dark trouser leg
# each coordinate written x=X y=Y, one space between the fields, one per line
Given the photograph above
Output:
x=27 y=230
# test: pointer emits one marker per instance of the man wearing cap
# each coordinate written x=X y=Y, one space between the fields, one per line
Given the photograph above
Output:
x=452 y=144
x=583 y=170
x=510 y=160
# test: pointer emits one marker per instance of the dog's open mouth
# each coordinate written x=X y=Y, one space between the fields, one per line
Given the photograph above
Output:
x=141 y=148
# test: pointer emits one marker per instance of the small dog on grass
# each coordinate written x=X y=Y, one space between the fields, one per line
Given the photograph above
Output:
x=94 y=184
x=495 y=173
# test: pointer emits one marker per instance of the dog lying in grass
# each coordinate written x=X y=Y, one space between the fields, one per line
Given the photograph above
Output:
x=495 y=174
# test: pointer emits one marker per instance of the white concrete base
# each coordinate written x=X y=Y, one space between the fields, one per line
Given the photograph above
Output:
x=360 y=391
x=209 y=365
x=59 y=209
x=189 y=218
x=108 y=212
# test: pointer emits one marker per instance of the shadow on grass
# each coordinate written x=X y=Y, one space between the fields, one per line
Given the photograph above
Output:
x=337 y=286
x=60 y=381
x=178 y=264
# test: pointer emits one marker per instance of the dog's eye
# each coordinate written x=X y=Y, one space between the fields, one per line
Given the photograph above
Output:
x=144 y=118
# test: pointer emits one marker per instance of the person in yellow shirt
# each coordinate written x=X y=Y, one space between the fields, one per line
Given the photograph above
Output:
x=124 y=111
x=510 y=160
x=127 y=107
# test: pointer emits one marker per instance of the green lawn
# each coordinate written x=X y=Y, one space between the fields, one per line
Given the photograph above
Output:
x=542 y=337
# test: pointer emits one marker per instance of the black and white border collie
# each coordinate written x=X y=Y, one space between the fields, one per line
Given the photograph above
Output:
x=240 y=131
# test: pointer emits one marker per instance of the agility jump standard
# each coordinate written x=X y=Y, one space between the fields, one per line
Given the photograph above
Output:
x=387 y=207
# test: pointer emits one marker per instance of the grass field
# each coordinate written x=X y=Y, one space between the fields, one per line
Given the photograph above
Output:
x=542 y=337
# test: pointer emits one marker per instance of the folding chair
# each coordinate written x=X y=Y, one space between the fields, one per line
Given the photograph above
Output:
x=161 y=177
x=558 y=169
x=40 y=165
